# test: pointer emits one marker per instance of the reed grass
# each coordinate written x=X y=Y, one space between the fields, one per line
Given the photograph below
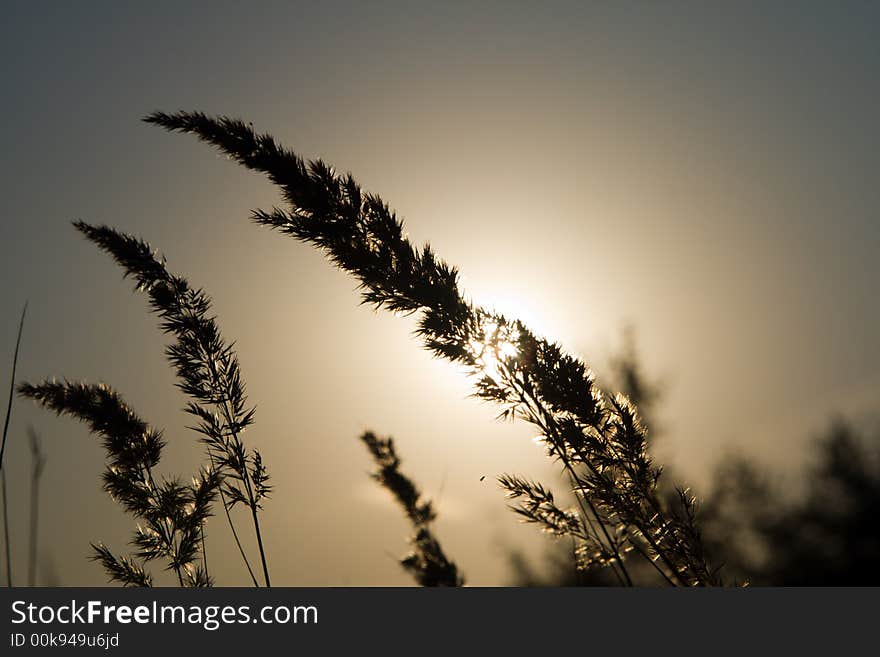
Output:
x=170 y=513
x=597 y=438
x=207 y=371
x=427 y=562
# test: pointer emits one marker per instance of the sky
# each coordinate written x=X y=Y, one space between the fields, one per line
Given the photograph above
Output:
x=707 y=173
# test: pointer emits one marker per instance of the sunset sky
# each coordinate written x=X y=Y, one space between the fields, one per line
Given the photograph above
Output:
x=707 y=174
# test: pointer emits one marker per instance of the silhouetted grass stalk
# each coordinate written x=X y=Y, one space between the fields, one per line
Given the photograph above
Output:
x=6 y=528
x=427 y=563
x=598 y=438
x=3 y=447
x=207 y=370
x=172 y=513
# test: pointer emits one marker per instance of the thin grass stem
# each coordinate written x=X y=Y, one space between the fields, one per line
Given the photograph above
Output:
x=3 y=446
x=6 y=529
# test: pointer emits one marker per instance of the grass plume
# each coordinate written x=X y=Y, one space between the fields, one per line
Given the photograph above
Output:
x=171 y=514
x=427 y=562
x=207 y=371
x=597 y=438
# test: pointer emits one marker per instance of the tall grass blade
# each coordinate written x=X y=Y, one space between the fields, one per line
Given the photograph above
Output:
x=3 y=447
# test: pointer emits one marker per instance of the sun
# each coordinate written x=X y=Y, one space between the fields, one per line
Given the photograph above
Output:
x=493 y=346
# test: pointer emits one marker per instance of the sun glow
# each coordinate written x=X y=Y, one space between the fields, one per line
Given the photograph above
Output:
x=542 y=319
x=494 y=346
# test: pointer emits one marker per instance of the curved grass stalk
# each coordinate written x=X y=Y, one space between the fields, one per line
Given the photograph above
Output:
x=598 y=438
x=171 y=514
x=207 y=371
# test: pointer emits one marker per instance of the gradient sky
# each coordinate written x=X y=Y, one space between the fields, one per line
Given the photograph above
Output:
x=706 y=173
